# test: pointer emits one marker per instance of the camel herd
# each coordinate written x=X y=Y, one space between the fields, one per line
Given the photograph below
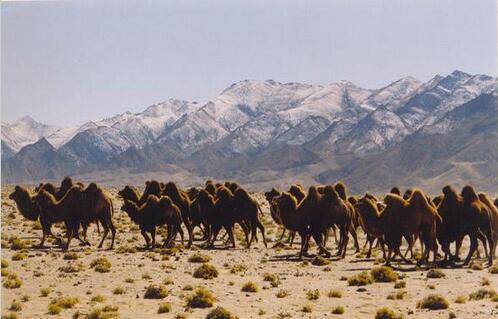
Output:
x=438 y=221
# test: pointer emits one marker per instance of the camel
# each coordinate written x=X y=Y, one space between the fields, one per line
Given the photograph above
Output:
x=155 y=212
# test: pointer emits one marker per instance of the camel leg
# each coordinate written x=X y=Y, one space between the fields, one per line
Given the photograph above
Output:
x=188 y=225
x=262 y=230
x=369 y=241
x=352 y=231
x=345 y=242
x=282 y=235
x=473 y=247
x=147 y=239
x=170 y=230
x=292 y=236
x=253 y=233
x=304 y=244
x=113 y=234
x=382 y=246
x=230 y=236
x=388 y=259
x=106 y=231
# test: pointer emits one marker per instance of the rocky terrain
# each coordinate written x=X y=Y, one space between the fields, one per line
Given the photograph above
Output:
x=260 y=282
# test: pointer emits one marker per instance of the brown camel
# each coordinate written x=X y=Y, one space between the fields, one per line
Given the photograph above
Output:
x=153 y=213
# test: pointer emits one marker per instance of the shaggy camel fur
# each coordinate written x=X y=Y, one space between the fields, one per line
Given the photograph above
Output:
x=371 y=223
x=247 y=208
x=408 y=218
x=67 y=210
x=479 y=217
x=181 y=199
x=97 y=207
x=153 y=213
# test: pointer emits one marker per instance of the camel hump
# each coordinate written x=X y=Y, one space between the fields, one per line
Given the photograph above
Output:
x=419 y=199
x=485 y=199
x=469 y=194
x=394 y=200
x=341 y=189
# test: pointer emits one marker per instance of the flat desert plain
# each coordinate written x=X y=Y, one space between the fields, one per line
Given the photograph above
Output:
x=87 y=282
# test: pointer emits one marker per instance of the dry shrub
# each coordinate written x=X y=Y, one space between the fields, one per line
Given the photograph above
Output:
x=206 y=271
x=433 y=302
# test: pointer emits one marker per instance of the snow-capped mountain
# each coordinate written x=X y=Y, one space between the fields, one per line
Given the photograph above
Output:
x=25 y=131
x=250 y=119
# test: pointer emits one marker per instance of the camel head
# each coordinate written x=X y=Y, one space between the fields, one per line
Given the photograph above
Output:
x=25 y=203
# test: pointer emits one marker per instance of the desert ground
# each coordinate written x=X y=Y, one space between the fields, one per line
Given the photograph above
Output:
x=49 y=283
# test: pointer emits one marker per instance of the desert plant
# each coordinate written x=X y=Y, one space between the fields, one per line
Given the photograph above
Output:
x=199 y=258
x=235 y=269
x=12 y=281
x=70 y=256
x=65 y=302
x=320 y=261
x=493 y=269
x=307 y=309
x=386 y=313
x=156 y=292
x=202 y=298
x=220 y=313
x=334 y=293
x=54 y=309
x=339 y=310
x=101 y=265
x=15 y=306
x=361 y=279
x=206 y=271
x=282 y=293
x=313 y=294
x=460 y=299
x=164 y=307
x=482 y=294
x=19 y=256
x=383 y=274
x=98 y=298
x=44 y=292
x=272 y=278
x=118 y=291
x=400 y=284
x=433 y=302
x=250 y=287
x=435 y=273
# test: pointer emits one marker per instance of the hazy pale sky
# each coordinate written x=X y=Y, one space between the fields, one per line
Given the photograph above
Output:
x=70 y=62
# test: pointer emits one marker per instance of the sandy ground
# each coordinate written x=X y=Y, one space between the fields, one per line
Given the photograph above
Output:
x=41 y=269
